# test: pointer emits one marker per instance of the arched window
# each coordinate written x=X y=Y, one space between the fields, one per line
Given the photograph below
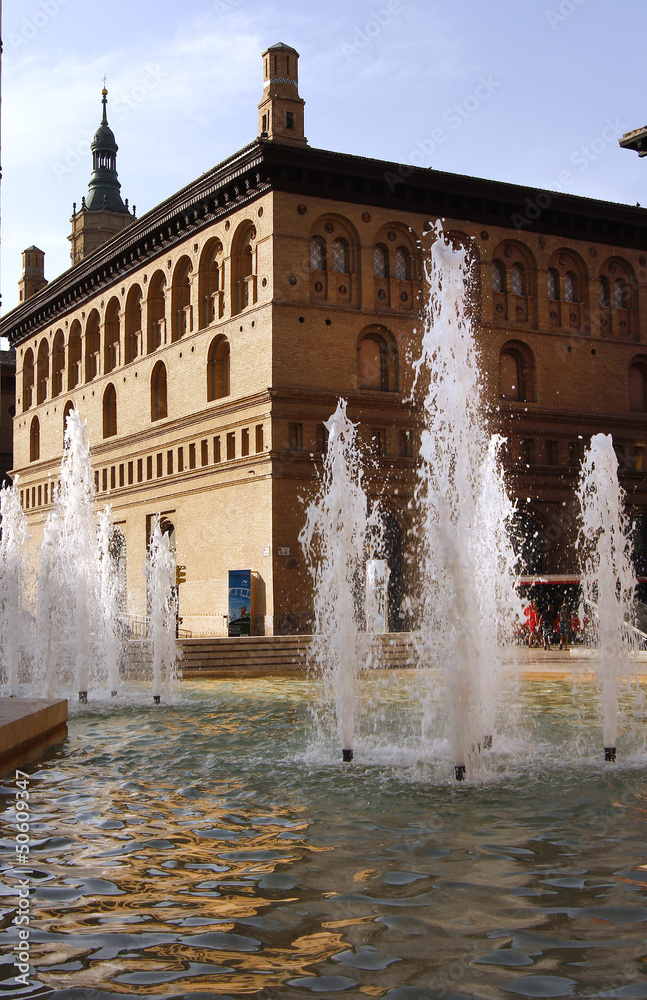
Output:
x=69 y=406
x=570 y=287
x=516 y=372
x=27 y=379
x=133 y=334
x=34 y=440
x=158 y=392
x=74 y=356
x=553 y=283
x=42 y=372
x=637 y=386
x=58 y=363
x=518 y=279
x=111 y=340
x=243 y=268
x=510 y=376
x=318 y=253
x=377 y=362
x=340 y=256
x=211 y=283
x=218 y=369
x=92 y=346
x=182 y=321
x=109 y=411
x=156 y=334
x=402 y=264
x=380 y=261
x=498 y=276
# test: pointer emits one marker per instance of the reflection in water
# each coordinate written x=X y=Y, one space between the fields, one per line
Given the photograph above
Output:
x=215 y=849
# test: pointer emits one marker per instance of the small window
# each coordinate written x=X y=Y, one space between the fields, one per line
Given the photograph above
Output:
x=289 y=119
x=204 y=452
x=140 y=470
x=405 y=443
x=637 y=395
x=131 y=472
x=169 y=462
x=180 y=460
x=518 y=281
x=34 y=440
x=379 y=261
x=322 y=439
x=46 y=491
x=570 y=287
x=149 y=466
x=552 y=453
x=217 y=457
x=527 y=452
x=317 y=253
x=192 y=456
x=104 y=480
x=113 y=477
x=498 y=276
x=259 y=438
x=231 y=445
x=604 y=291
x=40 y=495
x=122 y=477
x=295 y=437
x=160 y=464
x=553 y=283
x=575 y=453
x=340 y=256
x=402 y=264
x=621 y=294
x=378 y=442
x=244 y=441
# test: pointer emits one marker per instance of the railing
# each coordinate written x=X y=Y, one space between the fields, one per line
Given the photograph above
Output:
x=136 y=626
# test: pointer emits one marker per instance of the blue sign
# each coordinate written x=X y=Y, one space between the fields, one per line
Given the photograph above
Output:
x=240 y=602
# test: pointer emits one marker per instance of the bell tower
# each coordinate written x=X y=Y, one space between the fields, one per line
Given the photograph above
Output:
x=102 y=213
x=280 y=113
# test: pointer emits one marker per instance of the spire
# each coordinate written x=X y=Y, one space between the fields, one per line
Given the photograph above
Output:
x=102 y=212
x=103 y=189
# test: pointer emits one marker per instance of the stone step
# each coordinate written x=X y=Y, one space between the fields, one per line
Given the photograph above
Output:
x=257 y=655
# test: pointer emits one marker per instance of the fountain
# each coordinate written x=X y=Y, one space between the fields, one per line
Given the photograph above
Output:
x=335 y=540
x=75 y=636
x=608 y=577
x=13 y=546
x=160 y=572
x=467 y=564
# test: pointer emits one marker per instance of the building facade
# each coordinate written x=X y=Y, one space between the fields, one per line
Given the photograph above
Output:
x=207 y=342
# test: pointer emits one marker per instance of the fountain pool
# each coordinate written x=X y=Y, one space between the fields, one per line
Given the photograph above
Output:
x=221 y=849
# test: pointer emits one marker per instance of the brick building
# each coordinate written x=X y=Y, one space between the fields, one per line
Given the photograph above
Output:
x=207 y=342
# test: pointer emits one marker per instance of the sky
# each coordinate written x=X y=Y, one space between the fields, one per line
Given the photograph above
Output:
x=536 y=92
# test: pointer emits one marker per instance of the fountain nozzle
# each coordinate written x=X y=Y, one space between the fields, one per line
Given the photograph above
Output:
x=459 y=771
x=83 y=697
x=113 y=694
x=610 y=753
x=346 y=756
x=157 y=698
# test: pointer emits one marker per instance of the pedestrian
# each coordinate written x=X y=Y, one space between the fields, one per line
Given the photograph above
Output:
x=564 y=624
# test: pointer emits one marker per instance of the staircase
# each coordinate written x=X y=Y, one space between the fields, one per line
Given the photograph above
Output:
x=256 y=656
